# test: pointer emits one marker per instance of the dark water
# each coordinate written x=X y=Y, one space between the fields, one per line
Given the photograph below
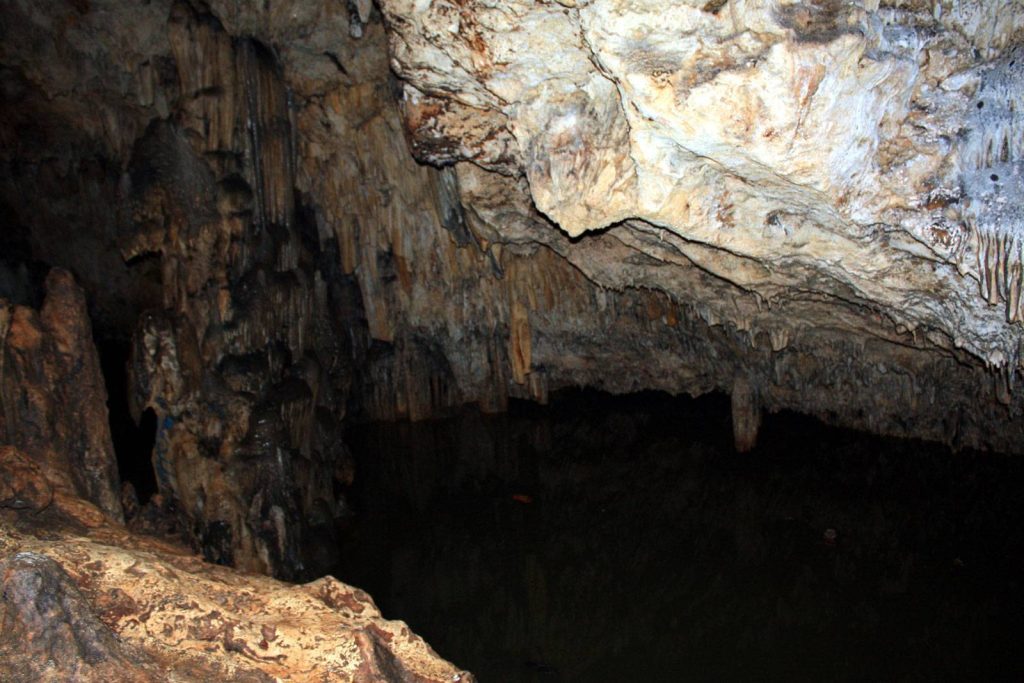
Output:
x=651 y=551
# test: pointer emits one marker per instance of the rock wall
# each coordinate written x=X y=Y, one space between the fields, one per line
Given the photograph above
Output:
x=243 y=361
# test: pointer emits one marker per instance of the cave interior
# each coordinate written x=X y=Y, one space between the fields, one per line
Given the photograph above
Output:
x=590 y=349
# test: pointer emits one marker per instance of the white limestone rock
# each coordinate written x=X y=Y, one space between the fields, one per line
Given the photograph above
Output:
x=795 y=149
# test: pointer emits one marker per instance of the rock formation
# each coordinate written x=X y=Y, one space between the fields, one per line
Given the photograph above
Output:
x=835 y=180
x=52 y=397
x=84 y=600
x=813 y=204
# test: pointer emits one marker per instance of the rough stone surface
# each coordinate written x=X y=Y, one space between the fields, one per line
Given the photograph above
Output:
x=812 y=146
x=844 y=167
x=84 y=600
x=51 y=634
x=24 y=485
x=52 y=396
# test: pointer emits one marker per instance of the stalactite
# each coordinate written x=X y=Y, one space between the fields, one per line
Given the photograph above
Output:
x=746 y=414
x=992 y=159
x=449 y=206
x=268 y=123
x=779 y=337
x=519 y=346
x=539 y=387
x=205 y=58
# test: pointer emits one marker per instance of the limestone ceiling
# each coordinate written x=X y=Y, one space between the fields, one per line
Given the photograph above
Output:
x=800 y=153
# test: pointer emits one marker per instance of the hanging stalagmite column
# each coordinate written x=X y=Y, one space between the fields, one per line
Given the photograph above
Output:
x=746 y=414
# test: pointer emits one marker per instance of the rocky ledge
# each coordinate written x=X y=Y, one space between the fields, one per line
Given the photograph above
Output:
x=84 y=599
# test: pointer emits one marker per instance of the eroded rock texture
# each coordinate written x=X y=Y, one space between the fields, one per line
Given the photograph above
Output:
x=785 y=198
x=835 y=180
x=82 y=599
x=243 y=360
x=53 y=401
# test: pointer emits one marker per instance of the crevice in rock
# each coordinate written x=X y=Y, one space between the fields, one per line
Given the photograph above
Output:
x=133 y=442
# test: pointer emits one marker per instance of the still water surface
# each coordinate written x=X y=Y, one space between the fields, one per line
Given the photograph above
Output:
x=622 y=539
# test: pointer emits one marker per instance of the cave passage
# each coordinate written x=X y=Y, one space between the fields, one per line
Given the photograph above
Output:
x=619 y=539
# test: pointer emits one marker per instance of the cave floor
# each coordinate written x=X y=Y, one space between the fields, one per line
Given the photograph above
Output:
x=621 y=539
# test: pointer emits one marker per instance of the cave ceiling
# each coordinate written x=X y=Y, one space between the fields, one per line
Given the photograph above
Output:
x=788 y=167
x=815 y=205
x=829 y=164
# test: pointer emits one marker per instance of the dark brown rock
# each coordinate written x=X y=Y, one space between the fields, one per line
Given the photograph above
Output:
x=22 y=482
x=52 y=396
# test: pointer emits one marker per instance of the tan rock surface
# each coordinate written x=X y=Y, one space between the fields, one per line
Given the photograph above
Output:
x=83 y=599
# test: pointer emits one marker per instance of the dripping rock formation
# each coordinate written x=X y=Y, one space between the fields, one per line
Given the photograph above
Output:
x=831 y=190
x=287 y=216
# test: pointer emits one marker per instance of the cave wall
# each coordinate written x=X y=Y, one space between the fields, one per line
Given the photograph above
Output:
x=235 y=188
x=236 y=194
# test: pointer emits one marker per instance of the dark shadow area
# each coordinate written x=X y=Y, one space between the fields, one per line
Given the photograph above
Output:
x=21 y=276
x=622 y=539
x=133 y=443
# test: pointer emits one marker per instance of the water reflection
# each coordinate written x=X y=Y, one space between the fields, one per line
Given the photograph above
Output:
x=623 y=540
